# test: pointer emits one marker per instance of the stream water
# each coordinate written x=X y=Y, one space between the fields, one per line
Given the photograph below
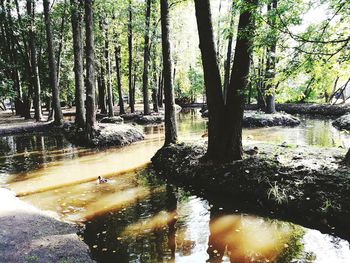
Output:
x=136 y=217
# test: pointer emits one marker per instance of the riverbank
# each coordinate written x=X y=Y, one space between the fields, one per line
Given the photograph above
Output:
x=30 y=235
x=307 y=186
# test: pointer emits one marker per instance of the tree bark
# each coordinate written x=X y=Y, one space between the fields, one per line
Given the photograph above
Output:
x=34 y=61
x=109 y=81
x=131 y=98
x=146 y=55
x=58 y=116
x=161 y=88
x=90 y=70
x=212 y=78
x=228 y=55
x=117 y=71
x=271 y=63
x=78 y=63
x=225 y=121
x=238 y=83
x=170 y=120
x=61 y=44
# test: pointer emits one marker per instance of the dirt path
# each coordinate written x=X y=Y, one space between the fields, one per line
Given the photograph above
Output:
x=29 y=235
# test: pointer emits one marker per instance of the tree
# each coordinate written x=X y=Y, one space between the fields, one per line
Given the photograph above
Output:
x=109 y=81
x=58 y=116
x=78 y=63
x=34 y=61
x=131 y=93
x=170 y=120
x=146 y=110
x=271 y=61
x=90 y=70
x=225 y=120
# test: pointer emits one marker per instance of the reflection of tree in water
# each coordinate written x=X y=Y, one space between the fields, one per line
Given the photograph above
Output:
x=249 y=239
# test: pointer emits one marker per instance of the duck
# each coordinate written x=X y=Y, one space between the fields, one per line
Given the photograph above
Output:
x=253 y=151
x=101 y=180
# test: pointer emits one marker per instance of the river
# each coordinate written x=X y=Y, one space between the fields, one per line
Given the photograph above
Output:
x=136 y=217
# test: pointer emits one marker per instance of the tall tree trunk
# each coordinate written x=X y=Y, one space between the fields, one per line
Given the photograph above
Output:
x=109 y=81
x=131 y=98
x=101 y=87
x=9 y=39
x=154 y=88
x=170 y=120
x=212 y=78
x=61 y=43
x=146 y=55
x=238 y=83
x=161 y=89
x=225 y=121
x=117 y=71
x=229 y=54
x=58 y=116
x=78 y=63
x=271 y=62
x=90 y=70
x=34 y=61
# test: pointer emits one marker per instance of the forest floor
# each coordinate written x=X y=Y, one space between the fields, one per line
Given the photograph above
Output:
x=28 y=235
x=306 y=185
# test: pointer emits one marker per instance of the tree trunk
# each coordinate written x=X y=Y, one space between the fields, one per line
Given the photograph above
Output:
x=131 y=99
x=154 y=88
x=161 y=88
x=58 y=116
x=225 y=121
x=271 y=62
x=170 y=120
x=78 y=63
x=212 y=78
x=101 y=87
x=34 y=61
x=60 y=46
x=117 y=71
x=228 y=55
x=90 y=70
x=238 y=83
x=146 y=55
x=109 y=81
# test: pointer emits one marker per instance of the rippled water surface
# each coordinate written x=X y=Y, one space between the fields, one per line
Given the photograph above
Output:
x=136 y=217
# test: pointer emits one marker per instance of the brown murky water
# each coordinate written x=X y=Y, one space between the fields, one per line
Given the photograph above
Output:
x=136 y=217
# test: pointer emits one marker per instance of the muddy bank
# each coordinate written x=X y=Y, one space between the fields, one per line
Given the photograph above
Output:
x=28 y=128
x=114 y=119
x=30 y=235
x=314 y=109
x=342 y=123
x=305 y=108
x=105 y=134
x=307 y=186
x=261 y=119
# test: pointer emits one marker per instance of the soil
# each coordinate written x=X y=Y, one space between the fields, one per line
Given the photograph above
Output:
x=105 y=134
x=28 y=235
x=343 y=122
x=307 y=186
x=261 y=119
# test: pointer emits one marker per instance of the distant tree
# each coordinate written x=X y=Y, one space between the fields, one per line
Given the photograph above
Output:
x=35 y=78
x=76 y=17
x=90 y=70
x=58 y=116
x=170 y=120
x=146 y=56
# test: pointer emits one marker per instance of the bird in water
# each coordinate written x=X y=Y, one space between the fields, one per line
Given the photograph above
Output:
x=253 y=151
x=101 y=180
